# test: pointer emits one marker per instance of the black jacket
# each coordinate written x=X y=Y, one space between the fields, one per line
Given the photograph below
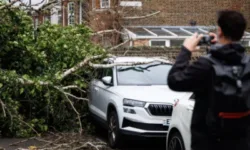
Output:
x=197 y=77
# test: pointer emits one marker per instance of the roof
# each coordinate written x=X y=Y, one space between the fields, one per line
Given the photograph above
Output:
x=137 y=59
x=169 y=32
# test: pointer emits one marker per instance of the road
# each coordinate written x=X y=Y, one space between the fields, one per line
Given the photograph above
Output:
x=131 y=143
x=136 y=143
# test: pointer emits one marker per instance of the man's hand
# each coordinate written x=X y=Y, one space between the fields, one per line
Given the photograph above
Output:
x=215 y=40
x=192 y=42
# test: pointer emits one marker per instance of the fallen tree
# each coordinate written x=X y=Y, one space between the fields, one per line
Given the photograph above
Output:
x=44 y=74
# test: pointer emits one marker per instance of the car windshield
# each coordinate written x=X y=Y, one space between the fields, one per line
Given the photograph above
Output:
x=148 y=74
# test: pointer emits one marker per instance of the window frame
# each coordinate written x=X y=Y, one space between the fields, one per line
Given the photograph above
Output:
x=104 y=7
x=101 y=72
x=245 y=40
x=167 y=42
x=104 y=74
x=71 y=13
x=182 y=41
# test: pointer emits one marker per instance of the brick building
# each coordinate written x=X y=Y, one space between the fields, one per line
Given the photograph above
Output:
x=172 y=12
x=109 y=14
x=180 y=12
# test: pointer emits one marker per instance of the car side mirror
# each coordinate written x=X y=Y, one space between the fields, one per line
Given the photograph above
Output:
x=107 y=80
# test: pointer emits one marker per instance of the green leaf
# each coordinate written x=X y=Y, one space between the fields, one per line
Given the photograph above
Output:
x=21 y=91
x=1 y=85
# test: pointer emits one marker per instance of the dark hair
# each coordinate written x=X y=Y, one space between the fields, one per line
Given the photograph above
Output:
x=232 y=23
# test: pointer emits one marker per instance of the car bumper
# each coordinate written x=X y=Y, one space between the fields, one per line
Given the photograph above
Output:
x=142 y=123
x=146 y=134
x=143 y=129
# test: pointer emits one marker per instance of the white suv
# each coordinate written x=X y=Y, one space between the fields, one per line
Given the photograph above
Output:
x=133 y=100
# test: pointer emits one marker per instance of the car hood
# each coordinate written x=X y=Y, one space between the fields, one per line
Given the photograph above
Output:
x=156 y=94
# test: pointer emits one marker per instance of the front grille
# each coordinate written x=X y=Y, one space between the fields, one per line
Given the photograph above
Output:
x=160 y=110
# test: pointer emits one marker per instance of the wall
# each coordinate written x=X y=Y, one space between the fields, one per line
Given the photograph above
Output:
x=140 y=43
x=180 y=12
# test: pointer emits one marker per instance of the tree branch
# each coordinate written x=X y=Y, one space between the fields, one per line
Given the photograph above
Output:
x=73 y=107
x=79 y=98
x=108 y=31
x=119 y=45
x=73 y=87
x=28 y=126
x=80 y=65
x=3 y=107
x=126 y=63
x=141 y=17
x=8 y=5
x=30 y=82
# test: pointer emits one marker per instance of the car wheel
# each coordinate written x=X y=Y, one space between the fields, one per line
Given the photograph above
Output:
x=176 y=142
x=114 y=135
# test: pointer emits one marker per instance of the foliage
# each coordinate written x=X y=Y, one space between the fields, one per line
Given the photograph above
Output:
x=40 y=56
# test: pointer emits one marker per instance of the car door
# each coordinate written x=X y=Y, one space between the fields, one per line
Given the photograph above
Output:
x=101 y=94
x=104 y=92
x=94 y=92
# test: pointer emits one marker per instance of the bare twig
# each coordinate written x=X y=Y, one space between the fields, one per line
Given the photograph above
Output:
x=119 y=45
x=28 y=126
x=52 y=142
x=73 y=107
x=86 y=144
x=108 y=31
x=3 y=108
x=142 y=17
x=8 y=5
x=125 y=52
x=22 y=141
x=73 y=87
x=91 y=144
x=38 y=3
x=79 y=98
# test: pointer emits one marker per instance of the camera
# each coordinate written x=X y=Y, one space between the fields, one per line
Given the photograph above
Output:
x=206 y=40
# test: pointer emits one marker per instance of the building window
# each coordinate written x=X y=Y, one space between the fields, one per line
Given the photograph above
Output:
x=71 y=13
x=59 y=16
x=176 y=43
x=245 y=43
x=80 y=12
x=105 y=3
x=46 y=19
x=159 y=43
x=36 y=24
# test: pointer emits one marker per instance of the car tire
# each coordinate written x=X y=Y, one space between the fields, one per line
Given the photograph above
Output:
x=176 y=142
x=114 y=134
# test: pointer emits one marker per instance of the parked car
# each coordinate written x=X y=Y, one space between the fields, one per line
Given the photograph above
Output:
x=133 y=100
x=179 y=137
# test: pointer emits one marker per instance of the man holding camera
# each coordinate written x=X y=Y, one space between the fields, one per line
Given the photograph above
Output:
x=221 y=84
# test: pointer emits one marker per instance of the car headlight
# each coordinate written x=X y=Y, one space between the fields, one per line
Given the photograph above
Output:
x=133 y=103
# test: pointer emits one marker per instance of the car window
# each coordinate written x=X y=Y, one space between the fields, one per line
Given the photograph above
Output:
x=99 y=73
x=108 y=72
x=192 y=97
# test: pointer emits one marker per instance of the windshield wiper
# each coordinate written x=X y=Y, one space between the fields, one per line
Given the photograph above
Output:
x=146 y=68
x=140 y=68
x=131 y=68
